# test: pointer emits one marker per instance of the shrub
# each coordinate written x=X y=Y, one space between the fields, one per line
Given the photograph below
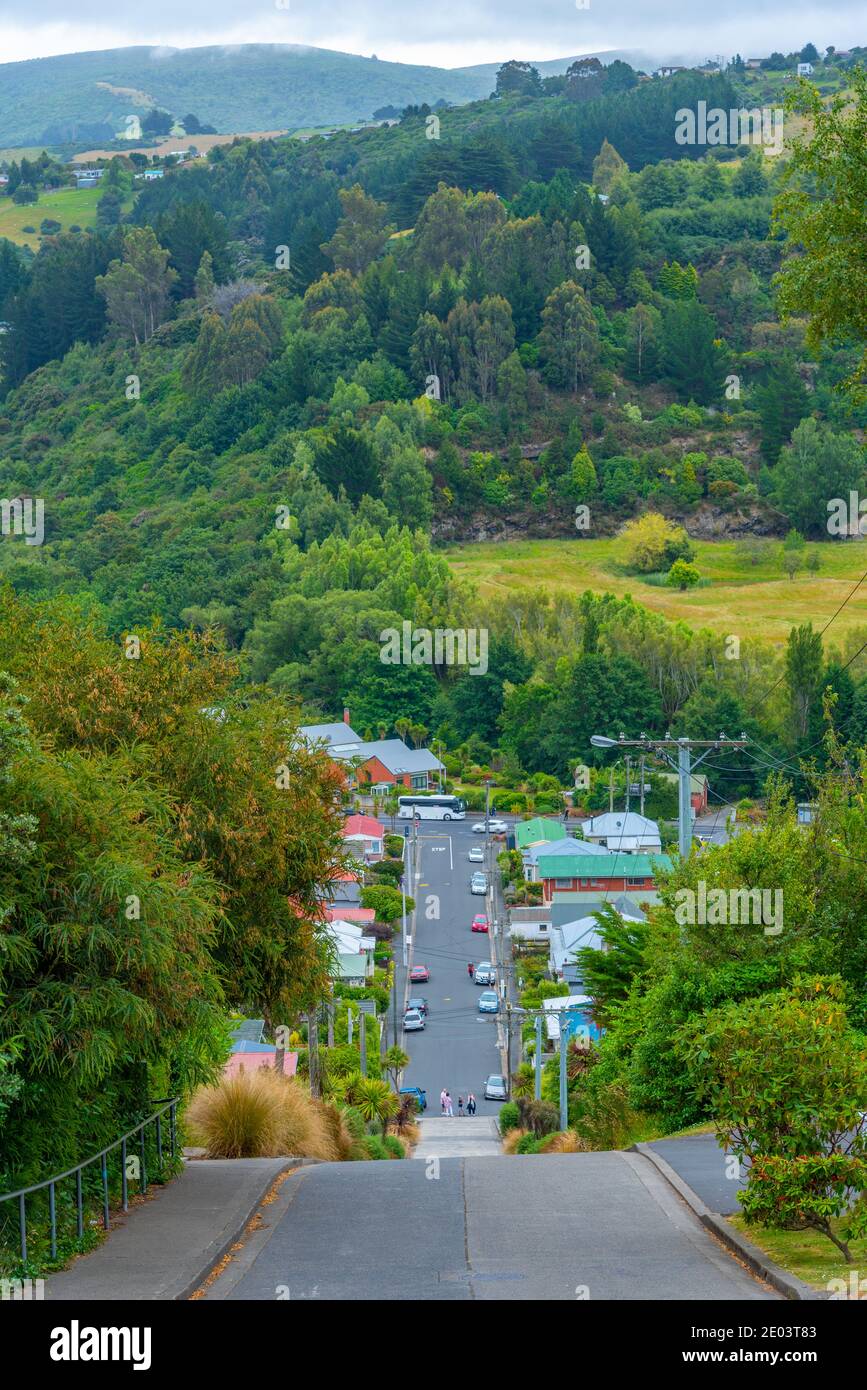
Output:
x=393 y=1147
x=394 y=846
x=539 y=1116
x=513 y=1139
x=258 y=1114
x=807 y=1193
x=528 y=1144
x=509 y=1117
x=652 y=543
x=566 y=1141
x=374 y=1146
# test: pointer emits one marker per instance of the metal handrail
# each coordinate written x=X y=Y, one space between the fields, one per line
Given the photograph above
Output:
x=51 y=1183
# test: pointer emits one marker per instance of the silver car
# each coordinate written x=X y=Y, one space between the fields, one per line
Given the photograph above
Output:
x=484 y=975
x=413 y=1021
x=495 y=1087
x=479 y=885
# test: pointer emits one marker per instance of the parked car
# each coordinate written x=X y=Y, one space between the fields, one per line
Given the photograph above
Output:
x=419 y=1002
x=484 y=974
x=496 y=827
x=479 y=885
x=413 y=1021
x=419 y=974
x=476 y=855
x=418 y=1095
x=489 y=1002
x=480 y=922
x=495 y=1087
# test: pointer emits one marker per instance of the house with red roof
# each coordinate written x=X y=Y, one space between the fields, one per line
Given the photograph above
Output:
x=365 y=837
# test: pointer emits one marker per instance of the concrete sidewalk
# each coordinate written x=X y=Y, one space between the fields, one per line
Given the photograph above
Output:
x=164 y=1248
x=466 y=1136
x=700 y=1162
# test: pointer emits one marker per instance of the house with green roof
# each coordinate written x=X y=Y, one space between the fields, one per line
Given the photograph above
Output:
x=536 y=832
x=576 y=880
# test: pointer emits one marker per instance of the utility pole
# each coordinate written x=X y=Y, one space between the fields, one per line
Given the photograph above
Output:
x=538 y=1058
x=508 y=1076
x=641 y=766
x=330 y=1007
x=403 y=905
x=394 y=999
x=564 y=1106
x=362 y=1038
x=349 y=1026
x=677 y=752
x=627 y=783
x=313 y=1051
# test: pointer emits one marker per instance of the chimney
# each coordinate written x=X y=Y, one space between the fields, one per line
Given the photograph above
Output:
x=345 y=716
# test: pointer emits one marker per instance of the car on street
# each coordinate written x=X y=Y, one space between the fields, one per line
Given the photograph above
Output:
x=418 y=1094
x=489 y=1002
x=478 y=885
x=419 y=974
x=484 y=973
x=496 y=827
x=480 y=922
x=476 y=855
x=413 y=1021
x=495 y=1087
x=419 y=1002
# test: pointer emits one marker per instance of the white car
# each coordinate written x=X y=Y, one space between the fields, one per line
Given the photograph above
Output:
x=476 y=855
x=479 y=885
x=496 y=827
x=413 y=1021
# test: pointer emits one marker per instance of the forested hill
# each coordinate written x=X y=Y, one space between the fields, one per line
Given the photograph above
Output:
x=251 y=402
x=245 y=87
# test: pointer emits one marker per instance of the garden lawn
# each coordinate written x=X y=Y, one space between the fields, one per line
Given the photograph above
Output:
x=806 y=1253
x=738 y=598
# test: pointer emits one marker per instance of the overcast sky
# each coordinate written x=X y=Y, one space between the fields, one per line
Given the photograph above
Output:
x=446 y=33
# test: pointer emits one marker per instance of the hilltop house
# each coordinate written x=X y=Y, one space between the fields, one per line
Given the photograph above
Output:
x=805 y=69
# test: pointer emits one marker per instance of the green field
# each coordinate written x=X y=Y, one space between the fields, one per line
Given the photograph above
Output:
x=68 y=206
x=751 y=601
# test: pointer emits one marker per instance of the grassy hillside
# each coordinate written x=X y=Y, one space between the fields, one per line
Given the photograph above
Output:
x=751 y=601
x=251 y=87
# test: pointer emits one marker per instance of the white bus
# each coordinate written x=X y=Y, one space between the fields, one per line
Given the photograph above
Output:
x=430 y=808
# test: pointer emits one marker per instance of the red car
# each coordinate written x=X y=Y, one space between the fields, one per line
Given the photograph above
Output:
x=480 y=922
x=419 y=974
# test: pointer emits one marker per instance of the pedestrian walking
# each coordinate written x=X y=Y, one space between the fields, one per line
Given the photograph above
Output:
x=443 y=1094
x=460 y=1105
x=471 y=1104
x=450 y=1110
x=471 y=970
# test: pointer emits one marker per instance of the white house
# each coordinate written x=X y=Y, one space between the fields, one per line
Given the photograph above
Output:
x=805 y=69
x=623 y=831
x=532 y=923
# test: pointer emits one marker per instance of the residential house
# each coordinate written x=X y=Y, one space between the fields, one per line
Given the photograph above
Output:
x=344 y=912
x=378 y=765
x=575 y=880
x=754 y=62
x=568 y=844
x=531 y=923
x=150 y=174
x=353 y=952
x=87 y=178
x=249 y=1056
x=365 y=837
x=538 y=831
x=669 y=70
x=584 y=931
x=805 y=69
x=579 y=1008
x=623 y=830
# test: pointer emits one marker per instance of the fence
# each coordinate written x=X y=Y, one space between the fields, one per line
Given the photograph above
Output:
x=137 y=1169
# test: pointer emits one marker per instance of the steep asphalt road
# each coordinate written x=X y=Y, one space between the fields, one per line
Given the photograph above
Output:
x=458 y=1048
x=597 y=1226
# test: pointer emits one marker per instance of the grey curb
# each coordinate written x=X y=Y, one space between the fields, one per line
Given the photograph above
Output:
x=789 y=1285
x=213 y=1254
